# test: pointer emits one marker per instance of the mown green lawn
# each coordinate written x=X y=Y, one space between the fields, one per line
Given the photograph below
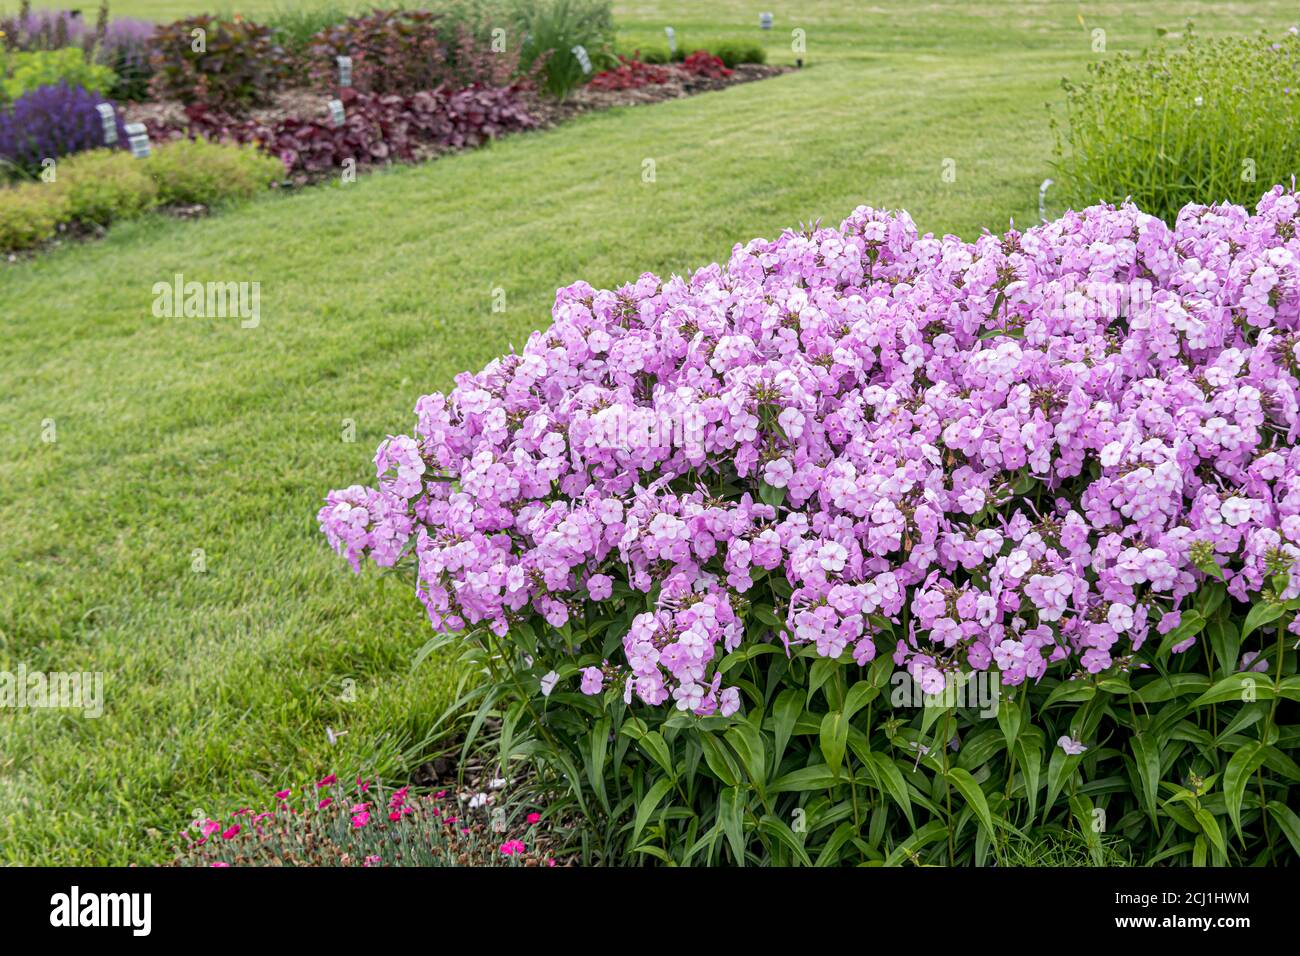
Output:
x=179 y=435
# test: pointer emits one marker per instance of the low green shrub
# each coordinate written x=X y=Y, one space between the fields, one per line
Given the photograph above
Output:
x=29 y=215
x=199 y=171
x=658 y=56
x=104 y=185
x=24 y=72
x=1203 y=124
x=101 y=186
x=732 y=52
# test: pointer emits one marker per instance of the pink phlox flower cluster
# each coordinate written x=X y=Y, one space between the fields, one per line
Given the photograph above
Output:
x=1021 y=446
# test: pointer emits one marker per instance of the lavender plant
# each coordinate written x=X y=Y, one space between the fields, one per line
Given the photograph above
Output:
x=50 y=122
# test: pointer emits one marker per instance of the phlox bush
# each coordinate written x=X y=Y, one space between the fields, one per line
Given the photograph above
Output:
x=704 y=533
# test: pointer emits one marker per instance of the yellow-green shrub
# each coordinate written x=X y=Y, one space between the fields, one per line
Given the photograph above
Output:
x=198 y=171
x=103 y=185
x=29 y=214
x=22 y=72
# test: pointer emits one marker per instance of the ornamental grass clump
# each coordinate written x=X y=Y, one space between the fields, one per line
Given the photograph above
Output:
x=1207 y=122
x=872 y=546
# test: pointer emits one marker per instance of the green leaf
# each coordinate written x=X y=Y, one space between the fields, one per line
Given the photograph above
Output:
x=1009 y=717
x=1246 y=688
x=1029 y=758
x=648 y=804
x=1191 y=622
x=817 y=777
x=1059 y=768
x=719 y=759
x=745 y=738
x=834 y=739
x=1261 y=613
x=657 y=853
x=1279 y=762
x=1243 y=763
x=1289 y=688
x=820 y=672
x=777 y=828
x=731 y=810
x=1289 y=823
x=1209 y=598
x=1070 y=691
x=859 y=695
x=786 y=711
x=1210 y=826
x=1225 y=640
x=890 y=780
x=934 y=707
x=1161 y=689
x=975 y=798
x=1146 y=754
x=930 y=833
x=653 y=744
x=598 y=749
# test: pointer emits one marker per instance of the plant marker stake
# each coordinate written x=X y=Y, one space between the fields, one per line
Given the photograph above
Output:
x=345 y=70
x=765 y=21
x=672 y=40
x=336 y=112
x=584 y=61
x=138 y=137
x=1042 y=200
x=109 y=117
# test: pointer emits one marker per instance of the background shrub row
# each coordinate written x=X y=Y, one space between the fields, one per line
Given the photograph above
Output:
x=102 y=186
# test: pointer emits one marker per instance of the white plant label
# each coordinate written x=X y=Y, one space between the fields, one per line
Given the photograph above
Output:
x=138 y=137
x=108 y=116
x=672 y=40
x=765 y=21
x=584 y=61
x=336 y=112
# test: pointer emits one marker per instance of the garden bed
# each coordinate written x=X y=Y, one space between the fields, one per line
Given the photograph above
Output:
x=587 y=100
x=312 y=104
x=328 y=98
x=170 y=119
